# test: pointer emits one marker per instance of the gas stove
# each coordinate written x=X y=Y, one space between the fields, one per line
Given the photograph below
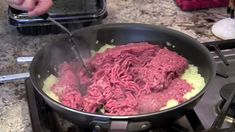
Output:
x=222 y=85
x=213 y=113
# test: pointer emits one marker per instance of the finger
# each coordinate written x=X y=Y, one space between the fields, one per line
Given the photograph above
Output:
x=17 y=7
x=42 y=7
x=27 y=5
x=16 y=2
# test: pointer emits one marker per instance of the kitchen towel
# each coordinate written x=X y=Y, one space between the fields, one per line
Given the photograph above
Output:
x=188 y=5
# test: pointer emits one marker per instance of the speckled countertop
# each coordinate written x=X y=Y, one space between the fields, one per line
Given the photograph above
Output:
x=14 y=115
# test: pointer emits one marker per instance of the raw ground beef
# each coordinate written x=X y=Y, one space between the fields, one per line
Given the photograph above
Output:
x=129 y=79
x=156 y=100
x=67 y=87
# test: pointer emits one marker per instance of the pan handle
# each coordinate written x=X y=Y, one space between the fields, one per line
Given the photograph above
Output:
x=138 y=126
x=121 y=126
x=13 y=77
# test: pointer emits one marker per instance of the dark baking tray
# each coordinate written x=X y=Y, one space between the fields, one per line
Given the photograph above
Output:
x=73 y=14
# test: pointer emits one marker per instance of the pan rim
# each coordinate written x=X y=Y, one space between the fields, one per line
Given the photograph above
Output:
x=121 y=25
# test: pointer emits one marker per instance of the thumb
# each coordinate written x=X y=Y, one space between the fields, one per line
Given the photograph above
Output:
x=42 y=7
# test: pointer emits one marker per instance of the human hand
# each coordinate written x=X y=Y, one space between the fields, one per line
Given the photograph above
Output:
x=34 y=7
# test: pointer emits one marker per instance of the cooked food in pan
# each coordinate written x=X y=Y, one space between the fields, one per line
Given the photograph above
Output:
x=130 y=79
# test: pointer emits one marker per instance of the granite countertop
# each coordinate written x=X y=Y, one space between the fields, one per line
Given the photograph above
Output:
x=14 y=114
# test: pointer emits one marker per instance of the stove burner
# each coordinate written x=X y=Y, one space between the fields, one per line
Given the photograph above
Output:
x=226 y=90
x=230 y=117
